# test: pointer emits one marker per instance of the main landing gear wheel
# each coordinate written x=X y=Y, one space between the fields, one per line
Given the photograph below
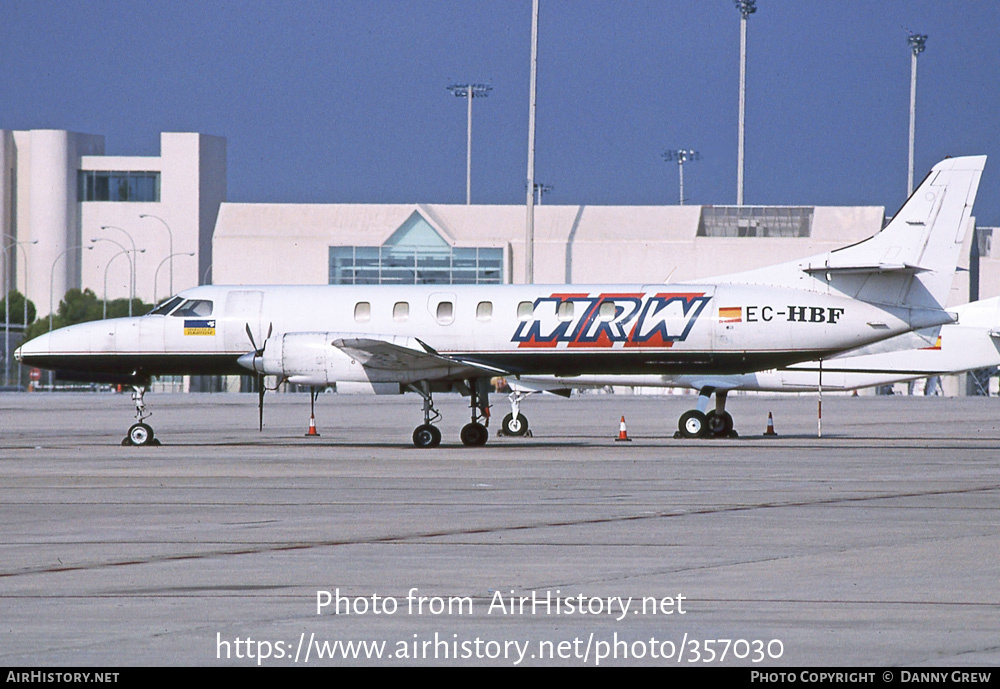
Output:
x=427 y=436
x=693 y=424
x=474 y=434
x=514 y=425
x=140 y=434
x=720 y=424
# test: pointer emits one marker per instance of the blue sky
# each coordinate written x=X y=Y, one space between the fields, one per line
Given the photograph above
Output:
x=346 y=101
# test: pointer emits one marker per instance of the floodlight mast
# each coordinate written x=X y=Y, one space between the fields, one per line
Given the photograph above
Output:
x=469 y=91
x=746 y=8
x=916 y=42
x=681 y=155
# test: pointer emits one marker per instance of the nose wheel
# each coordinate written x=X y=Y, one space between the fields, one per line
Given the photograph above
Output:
x=140 y=433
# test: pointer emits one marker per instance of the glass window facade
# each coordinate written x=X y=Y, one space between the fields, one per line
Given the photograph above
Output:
x=415 y=265
x=755 y=221
x=108 y=185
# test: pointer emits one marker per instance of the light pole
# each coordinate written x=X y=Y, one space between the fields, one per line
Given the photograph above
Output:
x=916 y=42
x=156 y=275
x=469 y=91
x=52 y=279
x=133 y=263
x=540 y=191
x=746 y=8
x=131 y=272
x=6 y=303
x=104 y=314
x=170 y=252
x=681 y=156
x=529 y=225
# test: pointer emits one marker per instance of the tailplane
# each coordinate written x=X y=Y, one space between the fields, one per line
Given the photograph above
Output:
x=911 y=262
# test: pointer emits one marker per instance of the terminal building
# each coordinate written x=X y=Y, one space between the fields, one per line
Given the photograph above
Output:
x=74 y=217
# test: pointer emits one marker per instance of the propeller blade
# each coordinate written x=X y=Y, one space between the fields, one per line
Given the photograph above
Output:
x=250 y=335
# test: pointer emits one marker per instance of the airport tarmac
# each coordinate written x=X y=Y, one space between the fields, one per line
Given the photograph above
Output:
x=875 y=545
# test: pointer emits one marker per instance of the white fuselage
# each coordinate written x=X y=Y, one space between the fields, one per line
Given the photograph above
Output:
x=513 y=329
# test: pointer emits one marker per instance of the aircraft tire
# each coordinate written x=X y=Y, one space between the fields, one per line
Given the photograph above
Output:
x=427 y=435
x=720 y=425
x=514 y=426
x=140 y=434
x=693 y=424
x=474 y=434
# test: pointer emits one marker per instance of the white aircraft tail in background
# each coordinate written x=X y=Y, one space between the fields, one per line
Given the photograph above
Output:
x=971 y=343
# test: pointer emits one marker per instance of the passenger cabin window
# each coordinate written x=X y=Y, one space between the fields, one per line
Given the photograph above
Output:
x=164 y=308
x=565 y=311
x=401 y=311
x=194 y=307
x=445 y=312
x=484 y=311
x=607 y=311
x=362 y=312
x=524 y=310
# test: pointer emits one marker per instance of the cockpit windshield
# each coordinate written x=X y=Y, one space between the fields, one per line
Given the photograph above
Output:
x=164 y=308
x=194 y=307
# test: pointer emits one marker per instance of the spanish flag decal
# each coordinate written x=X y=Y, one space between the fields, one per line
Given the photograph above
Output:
x=198 y=327
x=937 y=345
x=730 y=314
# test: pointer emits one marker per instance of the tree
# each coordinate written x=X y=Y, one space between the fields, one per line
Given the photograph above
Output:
x=16 y=300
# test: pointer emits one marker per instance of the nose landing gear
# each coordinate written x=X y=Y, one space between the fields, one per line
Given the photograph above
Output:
x=140 y=433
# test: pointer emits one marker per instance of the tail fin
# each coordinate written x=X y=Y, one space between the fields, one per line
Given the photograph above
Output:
x=911 y=262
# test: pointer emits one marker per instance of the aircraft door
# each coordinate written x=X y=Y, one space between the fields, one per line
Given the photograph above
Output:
x=243 y=308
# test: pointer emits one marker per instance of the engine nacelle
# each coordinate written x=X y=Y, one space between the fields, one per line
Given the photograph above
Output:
x=307 y=359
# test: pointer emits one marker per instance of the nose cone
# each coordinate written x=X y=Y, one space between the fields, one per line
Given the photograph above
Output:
x=30 y=352
x=251 y=361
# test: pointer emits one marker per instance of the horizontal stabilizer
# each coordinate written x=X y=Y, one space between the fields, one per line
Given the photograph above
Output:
x=875 y=268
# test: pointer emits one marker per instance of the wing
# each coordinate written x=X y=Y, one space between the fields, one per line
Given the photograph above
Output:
x=405 y=359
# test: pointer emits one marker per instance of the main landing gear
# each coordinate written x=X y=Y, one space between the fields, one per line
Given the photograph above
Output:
x=140 y=433
x=716 y=423
x=474 y=433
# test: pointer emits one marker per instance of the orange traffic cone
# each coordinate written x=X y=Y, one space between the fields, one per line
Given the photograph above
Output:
x=623 y=433
x=770 y=425
x=312 y=427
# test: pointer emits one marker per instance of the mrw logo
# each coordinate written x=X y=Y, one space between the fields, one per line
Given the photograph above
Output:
x=610 y=320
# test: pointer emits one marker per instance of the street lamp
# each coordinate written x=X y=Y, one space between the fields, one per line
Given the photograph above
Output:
x=529 y=223
x=104 y=315
x=170 y=251
x=916 y=42
x=681 y=156
x=52 y=278
x=131 y=272
x=156 y=274
x=469 y=91
x=133 y=262
x=541 y=190
x=6 y=302
x=746 y=8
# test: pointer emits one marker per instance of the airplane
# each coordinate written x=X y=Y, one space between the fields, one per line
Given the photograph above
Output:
x=973 y=342
x=433 y=338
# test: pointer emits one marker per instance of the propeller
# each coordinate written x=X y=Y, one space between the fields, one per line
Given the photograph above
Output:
x=258 y=356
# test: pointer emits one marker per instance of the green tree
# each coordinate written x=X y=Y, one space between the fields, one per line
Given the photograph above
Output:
x=79 y=306
x=16 y=300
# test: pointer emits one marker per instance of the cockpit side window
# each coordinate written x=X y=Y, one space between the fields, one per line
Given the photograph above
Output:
x=194 y=307
x=164 y=308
